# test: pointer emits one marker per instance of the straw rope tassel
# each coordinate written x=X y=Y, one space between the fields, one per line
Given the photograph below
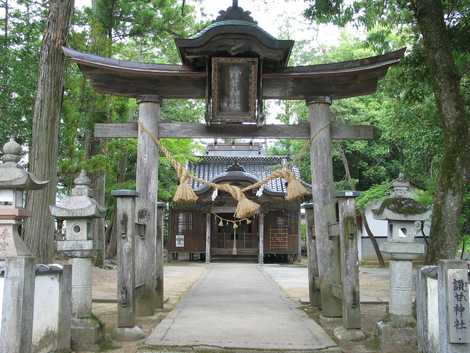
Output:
x=295 y=189
x=245 y=207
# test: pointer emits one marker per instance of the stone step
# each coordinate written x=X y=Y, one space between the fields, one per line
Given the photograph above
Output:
x=235 y=258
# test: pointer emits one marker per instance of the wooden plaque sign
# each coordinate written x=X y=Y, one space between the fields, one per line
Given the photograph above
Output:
x=234 y=89
x=458 y=306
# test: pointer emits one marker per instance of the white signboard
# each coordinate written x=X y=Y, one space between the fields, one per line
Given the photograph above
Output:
x=180 y=240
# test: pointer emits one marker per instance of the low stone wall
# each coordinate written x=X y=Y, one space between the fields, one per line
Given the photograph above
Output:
x=52 y=308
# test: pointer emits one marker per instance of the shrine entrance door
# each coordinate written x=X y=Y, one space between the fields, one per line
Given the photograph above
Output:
x=232 y=243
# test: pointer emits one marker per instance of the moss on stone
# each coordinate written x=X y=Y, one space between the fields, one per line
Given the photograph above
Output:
x=402 y=205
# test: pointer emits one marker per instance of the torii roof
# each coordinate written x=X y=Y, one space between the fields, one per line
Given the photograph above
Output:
x=336 y=80
x=235 y=34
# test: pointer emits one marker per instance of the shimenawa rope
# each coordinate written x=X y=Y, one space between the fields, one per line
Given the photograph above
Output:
x=245 y=207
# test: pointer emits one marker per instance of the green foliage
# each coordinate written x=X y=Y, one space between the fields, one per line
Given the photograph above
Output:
x=375 y=193
x=424 y=197
x=19 y=55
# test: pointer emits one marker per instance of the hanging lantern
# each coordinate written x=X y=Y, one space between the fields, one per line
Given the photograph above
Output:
x=248 y=221
x=221 y=223
x=235 y=225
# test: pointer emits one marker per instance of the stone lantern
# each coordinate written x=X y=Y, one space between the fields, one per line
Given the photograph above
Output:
x=404 y=216
x=78 y=211
x=16 y=260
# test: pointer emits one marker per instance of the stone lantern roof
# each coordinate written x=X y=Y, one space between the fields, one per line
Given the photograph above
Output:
x=13 y=177
x=14 y=180
x=400 y=205
x=79 y=204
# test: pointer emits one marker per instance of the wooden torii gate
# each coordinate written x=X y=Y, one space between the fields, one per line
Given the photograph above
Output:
x=234 y=65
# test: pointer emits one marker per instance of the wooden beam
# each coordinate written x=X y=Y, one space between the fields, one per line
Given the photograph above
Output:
x=339 y=131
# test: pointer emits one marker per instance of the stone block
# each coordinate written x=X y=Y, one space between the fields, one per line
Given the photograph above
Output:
x=87 y=334
x=403 y=250
x=343 y=334
x=390 y=338
x=128 y=334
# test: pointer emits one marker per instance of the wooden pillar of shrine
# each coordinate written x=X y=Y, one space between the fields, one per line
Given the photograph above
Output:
x=148 y=295
x=299 y=235
x=208 y=237
x=261 y=238
x=323 y=192
x=313 y=285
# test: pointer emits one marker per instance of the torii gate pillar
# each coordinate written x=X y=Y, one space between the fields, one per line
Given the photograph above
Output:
x=150 y=295
x=323 y=194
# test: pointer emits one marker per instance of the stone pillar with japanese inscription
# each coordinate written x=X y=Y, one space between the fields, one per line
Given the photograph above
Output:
x=454 y=306
x=16 y=261
x=404 y=216
x=78 y=211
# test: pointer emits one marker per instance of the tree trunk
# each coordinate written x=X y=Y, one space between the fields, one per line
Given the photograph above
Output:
x=39 y=230
x=448 y=199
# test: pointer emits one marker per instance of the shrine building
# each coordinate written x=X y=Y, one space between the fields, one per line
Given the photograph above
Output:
x=273 y=234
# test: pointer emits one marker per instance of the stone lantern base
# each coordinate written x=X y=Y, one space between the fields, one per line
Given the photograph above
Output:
x=87 y=334
x=393 y=339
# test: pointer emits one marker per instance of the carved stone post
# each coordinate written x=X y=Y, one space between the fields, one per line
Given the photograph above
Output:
x=313 y=285
x=454 y=306
x=261 y=238
x=16 y=260
x=323 y=191
x=79 y=211
x=147 y=188
x=126 y=330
